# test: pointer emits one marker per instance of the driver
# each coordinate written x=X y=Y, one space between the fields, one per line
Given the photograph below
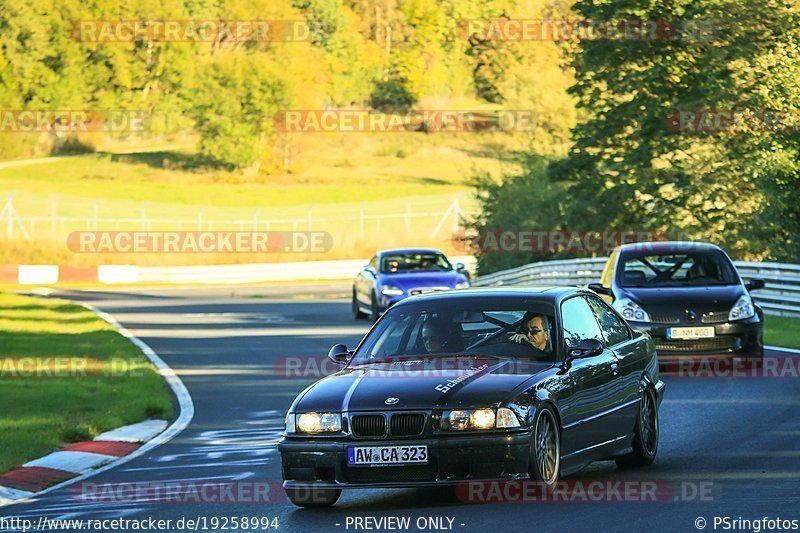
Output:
x=534 y=331
x=435 y=338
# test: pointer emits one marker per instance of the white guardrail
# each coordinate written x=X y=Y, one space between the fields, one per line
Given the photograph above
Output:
x=780 y=296
x=235 y=274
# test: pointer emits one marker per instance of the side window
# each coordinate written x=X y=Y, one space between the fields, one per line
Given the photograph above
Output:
x=374 y=262
x=579 y=321
x=613 y=328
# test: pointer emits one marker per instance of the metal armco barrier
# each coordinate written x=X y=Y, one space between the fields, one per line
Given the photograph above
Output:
x=781 y=296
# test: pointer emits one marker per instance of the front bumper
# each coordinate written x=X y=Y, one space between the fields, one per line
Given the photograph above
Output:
x=309 y=463
x=742 y=338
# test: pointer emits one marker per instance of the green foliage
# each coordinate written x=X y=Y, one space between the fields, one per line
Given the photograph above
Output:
x=528 y=201
x=392 y=95
x=628 y=169
x=232 y=105
x=391 y=54
x=701 y=186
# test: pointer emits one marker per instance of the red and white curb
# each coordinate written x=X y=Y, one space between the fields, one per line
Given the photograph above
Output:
x=76 y=459
x=82 y=460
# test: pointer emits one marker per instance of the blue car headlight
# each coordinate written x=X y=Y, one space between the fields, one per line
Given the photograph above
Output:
x=391 y=290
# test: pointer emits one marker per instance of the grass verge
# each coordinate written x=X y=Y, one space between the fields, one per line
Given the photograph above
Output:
x=66 y=375
x=782 y=331
x=366 y=191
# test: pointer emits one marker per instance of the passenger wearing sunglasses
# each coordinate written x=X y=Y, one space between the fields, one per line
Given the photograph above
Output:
x=534 y=331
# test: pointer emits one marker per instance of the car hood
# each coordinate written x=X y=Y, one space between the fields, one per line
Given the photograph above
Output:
x=420 y=383
x=680 y=299
x=415 y=280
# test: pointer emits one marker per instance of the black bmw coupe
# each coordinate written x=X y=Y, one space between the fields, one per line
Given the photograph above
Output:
x=484 y=384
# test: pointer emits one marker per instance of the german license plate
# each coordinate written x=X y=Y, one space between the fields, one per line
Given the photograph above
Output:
x=387 y=455
x=702 y=332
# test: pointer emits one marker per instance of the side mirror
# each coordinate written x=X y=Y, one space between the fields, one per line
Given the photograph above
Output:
x=460 y=267
x=754 y=284
x=339 y=354
x=599 y=289
x=369 y=269
x=585 y=348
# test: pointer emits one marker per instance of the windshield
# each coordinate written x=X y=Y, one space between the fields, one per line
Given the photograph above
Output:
x=414 y=262
x=684 y=269
x=466 y=328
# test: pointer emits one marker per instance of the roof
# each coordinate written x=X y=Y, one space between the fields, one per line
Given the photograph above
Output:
x=668 y=246
x=410 y=250
x=548 y=293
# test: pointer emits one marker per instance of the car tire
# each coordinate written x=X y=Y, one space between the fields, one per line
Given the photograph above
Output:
x=357 y=313
x=545 y=458
x=645 y=434
x=312 y=497
x=374 y=312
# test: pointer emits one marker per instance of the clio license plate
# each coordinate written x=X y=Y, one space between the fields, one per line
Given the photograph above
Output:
x=701 y=332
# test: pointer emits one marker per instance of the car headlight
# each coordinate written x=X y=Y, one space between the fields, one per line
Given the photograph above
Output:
x=319 y=422
x=630 y=310
x=289 y=425
x=462 y=285
x=743 y=308
x=461 y=419
x=391 y=290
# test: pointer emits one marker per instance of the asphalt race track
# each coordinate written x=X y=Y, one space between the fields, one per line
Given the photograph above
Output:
x=729 y=446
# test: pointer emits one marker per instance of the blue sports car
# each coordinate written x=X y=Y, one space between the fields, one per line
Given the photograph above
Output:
x=392 y=275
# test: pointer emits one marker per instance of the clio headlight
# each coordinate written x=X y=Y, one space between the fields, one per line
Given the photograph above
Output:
x=461 y=419
x=743 y=308
x=462 y=285
x=630 y=310
x=319 y=422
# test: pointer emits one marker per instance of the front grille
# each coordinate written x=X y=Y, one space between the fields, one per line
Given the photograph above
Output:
x=665 y=319
x=369 y=425
x=425 y=290
x=407 y=425
x=697 y=345
x=389 y=474
x=715 y=317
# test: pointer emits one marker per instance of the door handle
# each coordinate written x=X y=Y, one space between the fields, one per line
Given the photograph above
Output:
x=615 y=368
